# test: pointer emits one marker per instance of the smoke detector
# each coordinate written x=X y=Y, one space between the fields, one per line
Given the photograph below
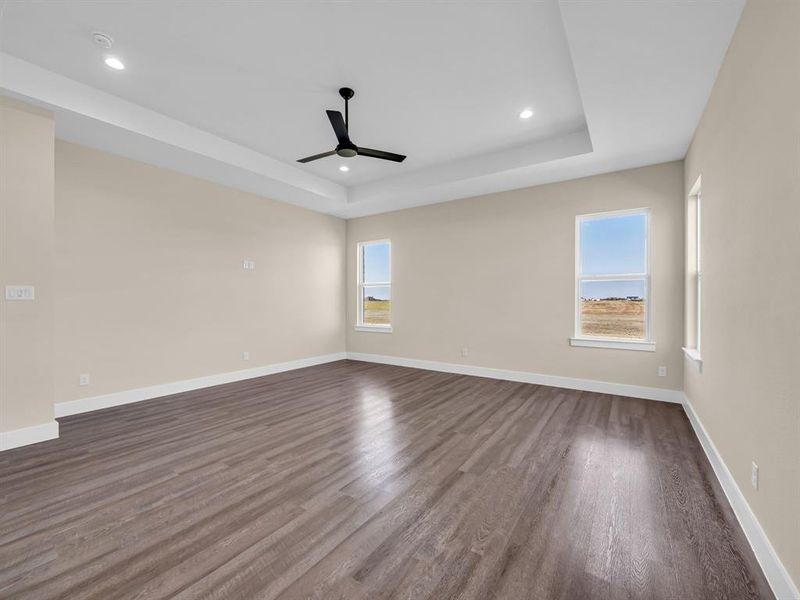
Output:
x=101 y=39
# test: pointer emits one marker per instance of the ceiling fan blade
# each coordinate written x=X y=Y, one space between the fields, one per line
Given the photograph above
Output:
x=380 y=154
x=339 y=128
x=316 y=156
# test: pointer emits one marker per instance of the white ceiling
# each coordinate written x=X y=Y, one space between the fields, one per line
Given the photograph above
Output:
x=236 y=92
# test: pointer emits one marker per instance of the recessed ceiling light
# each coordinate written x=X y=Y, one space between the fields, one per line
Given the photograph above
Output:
x=115 y=63
x=344 y=168
x=526 y=113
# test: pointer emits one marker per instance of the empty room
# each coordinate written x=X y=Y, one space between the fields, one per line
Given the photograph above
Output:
x=360 y=300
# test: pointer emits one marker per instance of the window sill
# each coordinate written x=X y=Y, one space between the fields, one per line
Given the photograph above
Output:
x=374 y=328
x=694 y=355
x=613 y=344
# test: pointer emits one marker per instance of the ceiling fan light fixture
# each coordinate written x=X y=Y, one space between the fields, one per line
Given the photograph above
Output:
x=526 y=113
x=344 y=168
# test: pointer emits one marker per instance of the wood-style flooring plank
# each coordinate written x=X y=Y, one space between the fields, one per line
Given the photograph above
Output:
x=364 y=482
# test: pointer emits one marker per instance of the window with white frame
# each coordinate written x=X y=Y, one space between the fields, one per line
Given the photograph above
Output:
x=612 y=282
x=694 y=272
x=375 y=285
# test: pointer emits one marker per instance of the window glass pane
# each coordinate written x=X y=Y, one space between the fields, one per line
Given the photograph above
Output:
x=377 y=305
x=614 y=309
x=376 y=263
x=614 y=245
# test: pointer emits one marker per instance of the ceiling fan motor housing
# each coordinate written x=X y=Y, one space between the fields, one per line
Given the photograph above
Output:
x=347 y=151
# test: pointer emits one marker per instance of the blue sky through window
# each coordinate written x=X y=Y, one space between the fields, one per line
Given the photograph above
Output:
x=376 y=263
x=613 y=246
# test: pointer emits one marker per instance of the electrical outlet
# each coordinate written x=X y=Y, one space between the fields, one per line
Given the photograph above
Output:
x=245 y=356
x=248 y=265
x=754 y=475
x=83 y=379
x=662 y=371
x=464 y=351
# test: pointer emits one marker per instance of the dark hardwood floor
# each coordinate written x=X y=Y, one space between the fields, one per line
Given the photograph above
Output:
x=359 y=481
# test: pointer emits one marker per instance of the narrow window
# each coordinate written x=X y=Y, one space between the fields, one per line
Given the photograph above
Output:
x=375 y=285
x=694 y=272
x=613 y=280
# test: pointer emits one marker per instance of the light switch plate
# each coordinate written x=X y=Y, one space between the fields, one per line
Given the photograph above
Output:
x=20 y=292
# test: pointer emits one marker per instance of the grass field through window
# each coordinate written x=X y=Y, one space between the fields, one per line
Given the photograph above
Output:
x=614 y=318
x=377 y=312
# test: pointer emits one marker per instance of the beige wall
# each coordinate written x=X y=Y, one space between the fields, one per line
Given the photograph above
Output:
x=26 y=258
x=496 y=273
x=747 y=149
x=150 y=285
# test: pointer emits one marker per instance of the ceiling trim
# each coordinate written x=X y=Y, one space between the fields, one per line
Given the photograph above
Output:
x=451 y=180
x=102 y=112
x=88 y=116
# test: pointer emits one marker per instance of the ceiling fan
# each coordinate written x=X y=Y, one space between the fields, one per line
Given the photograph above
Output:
x=345 y=148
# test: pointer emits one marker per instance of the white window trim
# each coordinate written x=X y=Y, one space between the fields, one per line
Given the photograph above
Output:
x=613 y=343
x=647 y=344
x=360 y=285
x=374 y=328
x=693 y=353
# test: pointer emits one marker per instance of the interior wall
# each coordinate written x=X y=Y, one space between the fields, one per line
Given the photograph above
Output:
x=150 y=283
x=747 y=150
x=26 y=258
x=496 y=273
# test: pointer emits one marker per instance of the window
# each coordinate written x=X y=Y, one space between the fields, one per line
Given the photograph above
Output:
x=612 y=283
x=694 y=279
x=374 y=286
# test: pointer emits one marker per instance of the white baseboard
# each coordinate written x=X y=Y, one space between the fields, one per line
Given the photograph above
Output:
x=74 y=407
x=588 y=385
x=28 y=435
x=778 y=577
